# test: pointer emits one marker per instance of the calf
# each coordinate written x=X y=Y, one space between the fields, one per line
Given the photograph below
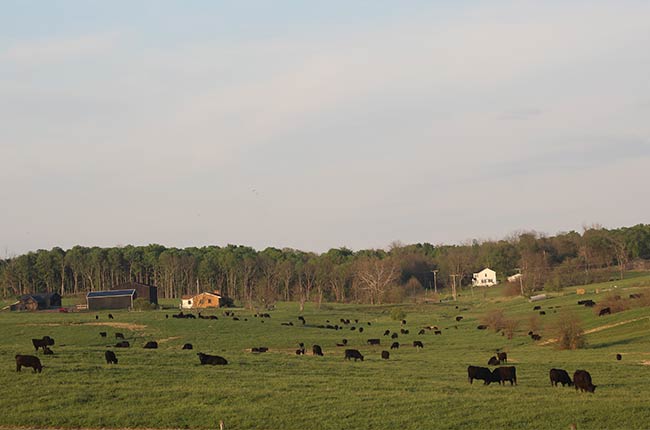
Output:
x=476 y=372
x=385 y=355
x=582 y=381
x=212 y=359
x=123 y=344
x=503 y=374
x=42 y=343
x=111 y=358
x=493 y=361
x=353 y=353
x=373 y=341
x=47 y=351
x=188 y=346
x=394 y=345
x=119 y=336
x=604 y=311
x=417 y=344
x=559 y=376
x=28 y=361
x=151 y=345
x=102 y=333
x=317 y=350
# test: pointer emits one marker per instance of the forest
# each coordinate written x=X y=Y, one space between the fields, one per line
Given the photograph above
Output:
x=251 y=277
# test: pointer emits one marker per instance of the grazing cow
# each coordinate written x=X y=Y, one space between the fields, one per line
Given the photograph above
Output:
x=536 y=308
x=96 y=317
x=636 y=296
x=502 y=356
x=535 y=336
x=317 y=350
x=582 y=381
x=302 y=319
x=344 y=342
x=437 y=332
x=353 y=328
x=42 y=343
x=360 y=329
x=493 y=361
x=119 y=336
x=191 y=317
x=604 y=311
x=212 y=359
x=166 y=316
x=559 y=376
x=353 y=353
x=259 y=349
x=619 y=357
x=385 y=355
x=387 y=332
x=394 y=345
x=47 y=351
x=542 y=312
x=28 y=361
x=300 y=351
x=188 y=346
x=587 y=303
x=123 y=344
x=481 y=327
x=369 y=323
x=458 y=318
x=151 y=345
x=403 y=322
x=476 y=372
x=373 y=341
x=503 y=374
x=102 y=333
x=417 y=344
x=110 y=316
x=394 y=336
x=110 y=357
x=421 y=332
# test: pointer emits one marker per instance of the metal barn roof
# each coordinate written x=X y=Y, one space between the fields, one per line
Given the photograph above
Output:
x=112 y=293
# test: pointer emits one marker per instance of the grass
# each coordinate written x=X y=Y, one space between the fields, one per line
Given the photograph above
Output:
x=415 y=389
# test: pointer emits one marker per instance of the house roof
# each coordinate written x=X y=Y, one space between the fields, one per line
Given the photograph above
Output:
x=111 y=293
x=186 y=297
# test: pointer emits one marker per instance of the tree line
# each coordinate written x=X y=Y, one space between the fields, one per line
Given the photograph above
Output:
x=252 y=277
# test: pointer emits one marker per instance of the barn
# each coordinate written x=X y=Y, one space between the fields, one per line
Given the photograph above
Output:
x=142 y=291
x=112 y=299
x=201 y=301
x=34 y=302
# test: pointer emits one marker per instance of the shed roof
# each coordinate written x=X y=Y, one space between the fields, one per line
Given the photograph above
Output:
x=112 y=293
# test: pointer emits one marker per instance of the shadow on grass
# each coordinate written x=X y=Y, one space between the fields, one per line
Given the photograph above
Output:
x=615 y=342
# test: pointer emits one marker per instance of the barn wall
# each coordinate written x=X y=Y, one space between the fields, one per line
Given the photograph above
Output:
x=123 y=302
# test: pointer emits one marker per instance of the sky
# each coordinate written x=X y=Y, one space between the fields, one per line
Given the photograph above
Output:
x=315 y=125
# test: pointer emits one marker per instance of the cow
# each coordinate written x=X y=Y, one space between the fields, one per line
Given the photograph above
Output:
x=123 y=344
x=47 y=351
x=360 y=329
x=503 y=374
x=394 y=336
x=582 y=381
x=102 y=333
x=502 y=356
x=403 y=322
x=344 y=342
x=458 y=318
x=385 y=355
x=259 y=349
x=476 y=372
x=542 y=312
x=110 y=316
x=373 y=341
x=28 y=361
x=587 y=303
x=559 y=376
x=394 y=345
x=212 y=359
x=353 y=353
x=604 y=311
x=188 y=346
x=317 y=350
x=421 y=332
x=300 y=351
x=166 y=316
x=119 y=336
x=493 y=361
x=536 y=308
x=619 y=357
x=437 y=332
x=151 y=345
x=42 y=343
x=302 y=319
x=110 y=357
x=636 y=296
x=387 y=332
x=481 y=327
x=96 y=317
x=417 y=344
x=535 y=336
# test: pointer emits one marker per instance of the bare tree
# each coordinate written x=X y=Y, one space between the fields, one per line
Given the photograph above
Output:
x=376 y=275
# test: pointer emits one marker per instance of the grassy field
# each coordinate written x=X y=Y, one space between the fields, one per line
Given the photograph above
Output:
x=415 y=389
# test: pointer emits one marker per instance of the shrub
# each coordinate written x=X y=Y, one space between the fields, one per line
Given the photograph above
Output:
x=142 y=304
x=511 y=289
x=570 y=334
x=494 y=319
x=534 y=323
x=615 y=303
x=397 y=314
x=510 y=326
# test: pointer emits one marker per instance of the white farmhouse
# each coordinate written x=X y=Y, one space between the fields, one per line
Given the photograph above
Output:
x=484 y=278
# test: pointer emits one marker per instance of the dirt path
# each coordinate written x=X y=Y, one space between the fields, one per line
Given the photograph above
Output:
x=600 y=328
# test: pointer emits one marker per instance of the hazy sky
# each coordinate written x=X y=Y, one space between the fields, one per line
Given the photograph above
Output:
x=319 y=124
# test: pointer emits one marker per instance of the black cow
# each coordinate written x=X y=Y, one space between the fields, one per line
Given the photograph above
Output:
x=188 y=346
x=536 y=308
x=119 y=336
x=542 y=312
x=502 y=356
x=636 y=296
x=403 y=322
x=259 y=349
x=102 y=333
x=373 y=341
x=619 y=357
x=503 y=374
x=535 y=336
x=587 y=303
x=493 y=361
x=47 y=351
x=110 y=316
x=394 y=336
x=42 y=343
x=437 y=332
x=394 y=345
x=96 y=317
x=387 y=332
x=212 y=359
x=385 y=355
x=317 y=350
x=559 y=376
x=458 y=318
x=582 y=381
x=110 y=357
x=360 y=329
x=151 y=345
x=123 y=344
x=421 y=332
x=353 y=353
x=604 y=311
x=300 y=351
x=476 y=372
x=481 y=327
x=28 y=361
x=417 y=344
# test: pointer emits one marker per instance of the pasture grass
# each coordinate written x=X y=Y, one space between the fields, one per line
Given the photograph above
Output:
x=415 y=389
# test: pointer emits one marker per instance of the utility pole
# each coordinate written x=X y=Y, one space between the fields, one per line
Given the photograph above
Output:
x=435 y=283
x=521 y=281
x=453 y=285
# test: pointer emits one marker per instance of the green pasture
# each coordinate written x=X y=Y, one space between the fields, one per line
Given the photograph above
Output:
x=415 y=389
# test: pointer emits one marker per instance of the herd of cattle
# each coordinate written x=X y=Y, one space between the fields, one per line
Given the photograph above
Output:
x=581 y=378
